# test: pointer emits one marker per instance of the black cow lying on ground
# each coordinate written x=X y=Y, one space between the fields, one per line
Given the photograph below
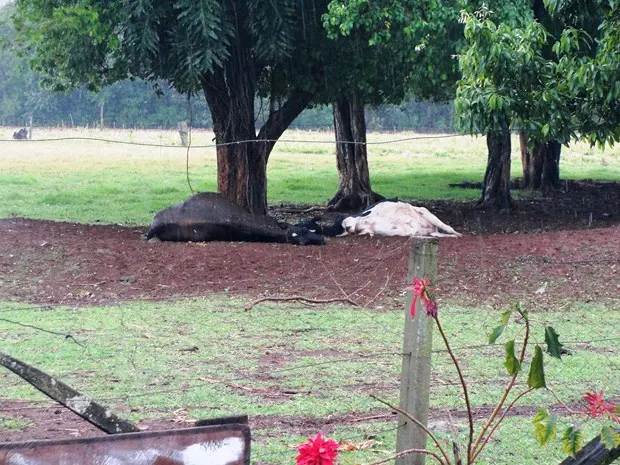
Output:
x=329 y=230
x=22 y=134
x=212 y=217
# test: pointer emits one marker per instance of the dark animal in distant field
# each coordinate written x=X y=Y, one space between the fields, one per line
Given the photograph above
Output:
x=213 y=217
x=389 y=218
x=22 y=134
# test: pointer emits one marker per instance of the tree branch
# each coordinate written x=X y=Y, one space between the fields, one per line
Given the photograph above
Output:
x=476 y=453
x=298 y=297
x=509 y=387
x=465 y=392
x=282 y=118
x=420 y=425
x=407 y=452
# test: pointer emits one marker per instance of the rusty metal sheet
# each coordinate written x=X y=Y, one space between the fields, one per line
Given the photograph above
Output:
x=204 y=445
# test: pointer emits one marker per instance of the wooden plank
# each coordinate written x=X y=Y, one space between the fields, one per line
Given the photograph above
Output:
x=594 y=453
x=82 y=405
x=417 y=347
x=213 y=445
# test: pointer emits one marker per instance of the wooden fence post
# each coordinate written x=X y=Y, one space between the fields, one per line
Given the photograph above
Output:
x=30 y=126
x=183 y=128
x=417 y=347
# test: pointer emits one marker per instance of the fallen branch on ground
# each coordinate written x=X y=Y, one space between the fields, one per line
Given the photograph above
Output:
x=299 y=209
x=300 y=298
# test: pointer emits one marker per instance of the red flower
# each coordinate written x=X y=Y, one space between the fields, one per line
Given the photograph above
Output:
x=317 y=451
x=597 y=406
x=431 y=308
x=422 y=290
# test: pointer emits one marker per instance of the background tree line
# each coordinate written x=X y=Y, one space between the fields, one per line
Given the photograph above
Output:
x=142 y=104
x=548 y=68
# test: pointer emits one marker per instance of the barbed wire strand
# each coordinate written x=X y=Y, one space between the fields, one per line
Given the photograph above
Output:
x=189 y=142
x=224 y=144
x=251 y=377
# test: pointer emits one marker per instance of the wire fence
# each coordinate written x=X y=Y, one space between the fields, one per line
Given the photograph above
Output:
x=291 y=368
x=240 y=142
x=297 y=369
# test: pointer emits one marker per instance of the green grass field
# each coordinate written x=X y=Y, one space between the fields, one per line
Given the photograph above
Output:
x=161 y=360
x=286 y=364
x=91 y=181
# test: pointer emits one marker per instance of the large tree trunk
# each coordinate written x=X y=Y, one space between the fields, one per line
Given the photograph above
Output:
x=529 y=163
x=242 y=154
x=541 y=165
x=241 y=166
x=550 y=176
x=354 y=192
x=496 y=185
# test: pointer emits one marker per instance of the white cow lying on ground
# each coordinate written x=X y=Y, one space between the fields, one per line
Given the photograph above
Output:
x=397 y=219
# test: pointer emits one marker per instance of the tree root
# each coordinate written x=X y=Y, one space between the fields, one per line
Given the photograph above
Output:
x=354 y=202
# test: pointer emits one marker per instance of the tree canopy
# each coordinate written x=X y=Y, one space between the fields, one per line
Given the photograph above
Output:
x=413 y=41
x=230 y=50
x=560 y=84
x=555 y=78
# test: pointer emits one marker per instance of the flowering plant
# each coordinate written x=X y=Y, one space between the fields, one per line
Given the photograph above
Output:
x=545 y=425
x=317 y=451
x=423 y=292
x=598 y=406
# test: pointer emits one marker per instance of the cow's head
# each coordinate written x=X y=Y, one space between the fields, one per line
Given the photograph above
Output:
x=353 y=224
x=303 y=236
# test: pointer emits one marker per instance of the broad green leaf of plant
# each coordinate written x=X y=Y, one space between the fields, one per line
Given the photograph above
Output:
x=545 y=426
x=497 y=332
x=536 y=378
x=610 y=438
x=521 y=310
x=572 y=441
x=554 y=346
x=512 y=363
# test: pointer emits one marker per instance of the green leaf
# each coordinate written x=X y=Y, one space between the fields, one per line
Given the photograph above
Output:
x=610 y=438
x=536 y=378
x=554 y=347
x=572 y=441
x=512 y=364
x=505 y=317
x=521 y=310
x=545 y=426
x=497 y=332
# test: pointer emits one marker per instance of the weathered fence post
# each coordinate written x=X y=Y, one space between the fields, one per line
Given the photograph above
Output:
x=417 y=347
x=30 y=126
x=183 y=132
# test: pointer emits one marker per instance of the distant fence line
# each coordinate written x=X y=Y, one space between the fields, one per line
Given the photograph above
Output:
x=288 y=141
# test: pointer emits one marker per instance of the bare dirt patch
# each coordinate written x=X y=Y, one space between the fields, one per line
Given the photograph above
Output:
x=565 y=246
